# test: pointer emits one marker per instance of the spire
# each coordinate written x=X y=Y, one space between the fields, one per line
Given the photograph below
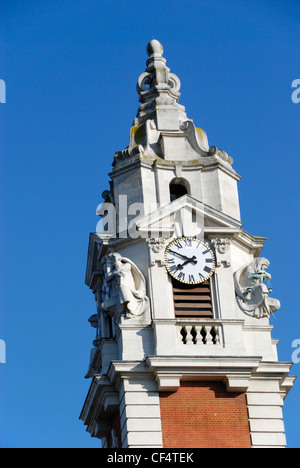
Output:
x=161 y=128
x=157 y=87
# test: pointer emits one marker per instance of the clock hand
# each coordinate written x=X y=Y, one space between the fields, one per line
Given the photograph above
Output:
x=189 y=260
x=180 y=255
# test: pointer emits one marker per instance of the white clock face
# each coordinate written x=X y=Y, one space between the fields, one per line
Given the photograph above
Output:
x=189 y=260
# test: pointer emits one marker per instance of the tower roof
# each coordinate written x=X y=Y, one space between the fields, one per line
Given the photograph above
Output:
x=161 y=129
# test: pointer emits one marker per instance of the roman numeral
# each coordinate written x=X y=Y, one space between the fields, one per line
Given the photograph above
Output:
x=205 y=252
x=201 y=277
x=178 y=245
x=188 y=242
x=171 y=260
x=173 y=268
x=207 y=269
x=209 y=260
x=181 y=276
x=191 y=279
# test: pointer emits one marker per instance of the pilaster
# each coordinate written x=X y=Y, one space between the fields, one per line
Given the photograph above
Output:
x=139 y=405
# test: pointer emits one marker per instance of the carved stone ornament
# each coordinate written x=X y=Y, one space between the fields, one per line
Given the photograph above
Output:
x=156 y=245
x=213 y=150
x=252 y=293
x=222 y=245
x=157 y=82
x=127 y=288
x=161 y=118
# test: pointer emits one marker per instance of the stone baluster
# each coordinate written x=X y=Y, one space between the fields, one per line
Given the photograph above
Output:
x=198 y=338
x=208 y=338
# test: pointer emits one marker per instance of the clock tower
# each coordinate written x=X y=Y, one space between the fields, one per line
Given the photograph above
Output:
x=183 y=354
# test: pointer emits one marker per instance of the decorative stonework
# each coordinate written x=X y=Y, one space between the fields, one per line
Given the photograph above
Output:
x=222 y=249
x=157 y=86
x=161 y=129
x=127 y=288
x=156 y=245
x=213 y=150
x=252 y=294
x=222 y=245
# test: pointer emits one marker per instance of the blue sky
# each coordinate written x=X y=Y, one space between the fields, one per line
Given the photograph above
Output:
x=70 y=69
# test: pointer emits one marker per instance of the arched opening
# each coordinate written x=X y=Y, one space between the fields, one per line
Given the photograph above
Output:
x=178 y=188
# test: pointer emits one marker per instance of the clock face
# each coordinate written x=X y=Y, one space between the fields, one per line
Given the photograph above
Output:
x=189 y=260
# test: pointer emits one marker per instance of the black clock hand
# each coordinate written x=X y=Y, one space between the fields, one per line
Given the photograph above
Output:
x=189 y=260
x=193 y=260
x=180 y=255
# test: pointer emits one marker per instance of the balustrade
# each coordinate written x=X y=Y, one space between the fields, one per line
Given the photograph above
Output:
x=199 y=333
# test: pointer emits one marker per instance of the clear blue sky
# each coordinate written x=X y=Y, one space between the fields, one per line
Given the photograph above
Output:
x=71 y=68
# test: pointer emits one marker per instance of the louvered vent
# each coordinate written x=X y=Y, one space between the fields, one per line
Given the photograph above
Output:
x=192 y=300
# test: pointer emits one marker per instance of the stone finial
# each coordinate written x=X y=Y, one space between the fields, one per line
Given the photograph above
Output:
x=157 y=86
x=154 y=47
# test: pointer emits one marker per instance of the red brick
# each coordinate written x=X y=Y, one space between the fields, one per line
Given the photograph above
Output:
x=204 y=415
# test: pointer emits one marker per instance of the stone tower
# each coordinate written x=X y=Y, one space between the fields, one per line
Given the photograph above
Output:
x=183 y=354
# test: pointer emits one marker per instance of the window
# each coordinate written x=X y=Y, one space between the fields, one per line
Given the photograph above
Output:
x=178 y=188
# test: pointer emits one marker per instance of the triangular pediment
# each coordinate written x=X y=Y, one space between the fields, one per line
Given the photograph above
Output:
x=186 y=214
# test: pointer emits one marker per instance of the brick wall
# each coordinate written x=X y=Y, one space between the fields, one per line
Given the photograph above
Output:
x=203 y=414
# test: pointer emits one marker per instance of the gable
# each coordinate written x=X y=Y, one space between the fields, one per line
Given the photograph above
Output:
x=184 y=216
